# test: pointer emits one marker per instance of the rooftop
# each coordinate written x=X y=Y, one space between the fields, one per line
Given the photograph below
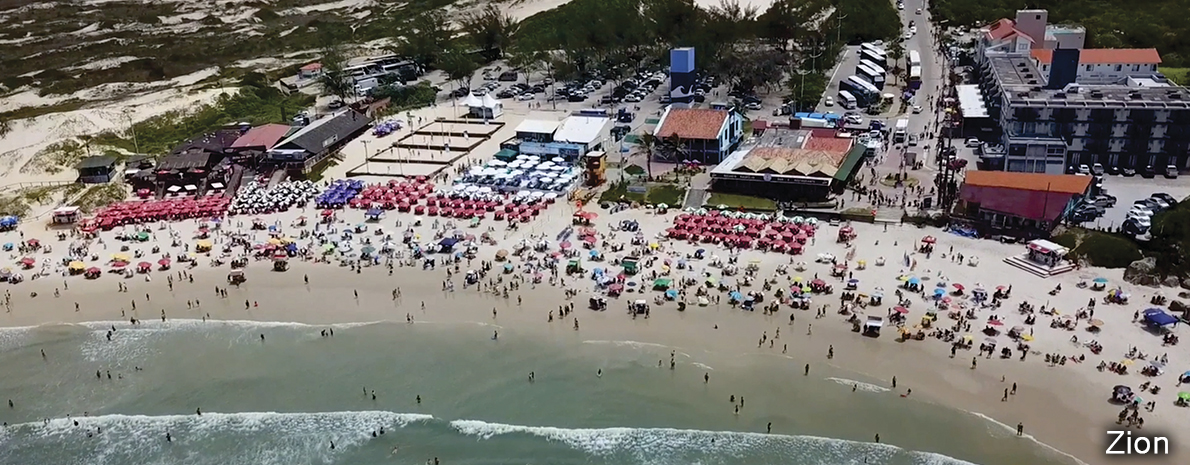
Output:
x=312 y=67
x=581 y=129
x=796 y=153
x=1104 y=96
x=1063 y=183
x=537 y=126
x=1005 y=29
x=265 y=136
x=101 y=161
x=691 y=123
x=1016 y=71
x=325 y=132
x=1103 y=56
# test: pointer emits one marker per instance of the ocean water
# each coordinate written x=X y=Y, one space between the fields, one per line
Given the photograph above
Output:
x=286 y=399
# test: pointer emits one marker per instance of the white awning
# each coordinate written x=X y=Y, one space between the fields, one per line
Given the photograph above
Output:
x=971 y=101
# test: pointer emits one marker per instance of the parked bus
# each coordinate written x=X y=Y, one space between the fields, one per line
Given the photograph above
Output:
x=847 y=100
x=872 y=56
x=873 y=48
x=880 y=66
x=865 y=92
x=915 y=77
x=871 y=74
x=914 y=58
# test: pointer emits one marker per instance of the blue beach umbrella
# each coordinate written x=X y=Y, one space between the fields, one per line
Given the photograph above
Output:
x=1100 y=280
x=939 y=292
x=735 y=295
x=673 y=294
x=914 y=280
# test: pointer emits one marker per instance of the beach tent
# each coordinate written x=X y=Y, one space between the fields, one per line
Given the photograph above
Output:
x=1157 y=317
x=448 y=243
x=662 y=283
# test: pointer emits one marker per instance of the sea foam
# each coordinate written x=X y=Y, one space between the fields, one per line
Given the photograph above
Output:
x=276 y=438
x=859 y=385
x=668 y=445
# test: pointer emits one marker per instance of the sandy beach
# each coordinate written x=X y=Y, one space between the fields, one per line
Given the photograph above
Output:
x=1075 y=392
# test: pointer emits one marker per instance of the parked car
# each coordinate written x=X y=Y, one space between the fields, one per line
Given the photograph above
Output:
x=830 y=101
x=1105 y=201
x=1097 y=169
x=1128 y=172
x=1161 y=204
x=1166 y=197
x=1148 y=172
x=972 y=142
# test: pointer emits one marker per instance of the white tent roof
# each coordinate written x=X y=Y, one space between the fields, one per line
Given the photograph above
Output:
x=971 y=101
x=581 y=129
x=537 y=126
x=471 y=101
x=490 y=102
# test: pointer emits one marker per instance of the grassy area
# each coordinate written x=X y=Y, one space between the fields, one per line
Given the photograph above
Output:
x=256 y=103
x=1180 y=76
x=746 y=202
x=101 y=195
x=618 y=192
x=1099 y=248
x=14 y=205
x=666 y=194
x=56 y=157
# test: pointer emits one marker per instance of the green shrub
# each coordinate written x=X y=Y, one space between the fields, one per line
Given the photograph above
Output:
x=1103 y=250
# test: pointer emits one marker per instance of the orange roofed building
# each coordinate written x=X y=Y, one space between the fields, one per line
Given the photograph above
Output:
x=1020 y=202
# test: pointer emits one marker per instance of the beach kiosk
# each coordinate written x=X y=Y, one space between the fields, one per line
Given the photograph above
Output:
x=873 y=326
x=630 y=265
x=66 y=215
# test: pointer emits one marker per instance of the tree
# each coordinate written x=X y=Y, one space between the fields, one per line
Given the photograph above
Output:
x=647 y=143
x=459 y=66
x=490 y=29
x=896 y=51
x=334 y=79
x=430 y=36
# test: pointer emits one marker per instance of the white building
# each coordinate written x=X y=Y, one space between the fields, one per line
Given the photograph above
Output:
x=1105 y=65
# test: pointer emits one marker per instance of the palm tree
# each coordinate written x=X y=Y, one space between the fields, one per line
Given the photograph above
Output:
x=647 y=143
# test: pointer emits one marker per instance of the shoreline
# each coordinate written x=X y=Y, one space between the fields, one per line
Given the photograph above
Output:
x=1076 y=393
x=600 y=327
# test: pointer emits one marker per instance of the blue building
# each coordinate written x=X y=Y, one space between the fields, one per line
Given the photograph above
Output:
x=681 y=74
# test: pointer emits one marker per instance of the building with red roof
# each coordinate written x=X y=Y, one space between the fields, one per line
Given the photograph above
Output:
x=706 y=135
x=787 y=164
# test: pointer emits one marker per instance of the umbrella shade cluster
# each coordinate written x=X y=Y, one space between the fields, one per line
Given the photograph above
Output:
x=256 y=198
x=397 y=195
x=525 y=172
x=744 y=230
x=340 y=192
x=137 y=212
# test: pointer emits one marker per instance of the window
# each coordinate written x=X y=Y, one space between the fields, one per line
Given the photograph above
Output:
x=1089 y=68
x=1136 y=67
x=1119 y=68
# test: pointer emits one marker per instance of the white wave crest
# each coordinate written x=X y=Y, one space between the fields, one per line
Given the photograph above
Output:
x=859 y=385
x=649 y=445
x=277 y=438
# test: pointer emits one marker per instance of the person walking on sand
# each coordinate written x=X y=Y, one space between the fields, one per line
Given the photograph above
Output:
x=706 y=378
x=1020 y=429
x=807 y=370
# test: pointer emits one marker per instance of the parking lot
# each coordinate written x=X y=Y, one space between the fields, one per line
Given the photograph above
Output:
x=1130 y=189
